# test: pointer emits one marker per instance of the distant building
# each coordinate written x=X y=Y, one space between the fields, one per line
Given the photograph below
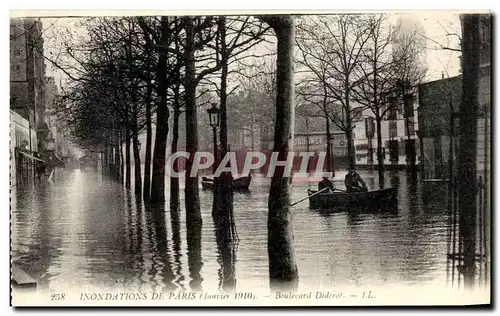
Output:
x=310 y=135
x=27 y=76
x=33 y=128
x=56 y=140
x=440 y=101
x=396 y=131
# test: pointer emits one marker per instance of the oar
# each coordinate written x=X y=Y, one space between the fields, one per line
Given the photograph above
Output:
x=308 y=197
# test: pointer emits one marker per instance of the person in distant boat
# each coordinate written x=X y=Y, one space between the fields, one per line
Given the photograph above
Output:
x=353 y=182
x=326 y=183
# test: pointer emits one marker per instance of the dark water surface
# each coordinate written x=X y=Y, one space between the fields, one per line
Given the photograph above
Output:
x=84 y=230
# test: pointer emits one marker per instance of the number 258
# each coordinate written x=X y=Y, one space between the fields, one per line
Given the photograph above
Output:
x=57 y=296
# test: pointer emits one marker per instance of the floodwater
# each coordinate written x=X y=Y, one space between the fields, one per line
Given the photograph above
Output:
x=83 y=229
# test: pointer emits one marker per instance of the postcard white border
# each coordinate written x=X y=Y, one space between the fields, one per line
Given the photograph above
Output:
x=127 y=4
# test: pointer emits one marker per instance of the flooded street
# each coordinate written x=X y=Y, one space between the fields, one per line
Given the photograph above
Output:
x=84 y=230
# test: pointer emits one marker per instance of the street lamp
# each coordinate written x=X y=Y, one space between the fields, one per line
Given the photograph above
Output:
x=213 y=115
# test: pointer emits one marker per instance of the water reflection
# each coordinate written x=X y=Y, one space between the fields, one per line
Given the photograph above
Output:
x=88 y=231
x=176 y=245
x=163 y=262
x=194 y=255
x=226 y=259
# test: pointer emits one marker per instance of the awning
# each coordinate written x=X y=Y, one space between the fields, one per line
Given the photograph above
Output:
x=31 y=157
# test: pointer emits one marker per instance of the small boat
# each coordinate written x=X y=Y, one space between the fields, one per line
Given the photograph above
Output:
x=376 y=199
x=239 y=184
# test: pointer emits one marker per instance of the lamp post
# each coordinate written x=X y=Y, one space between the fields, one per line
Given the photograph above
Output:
x=213 y=115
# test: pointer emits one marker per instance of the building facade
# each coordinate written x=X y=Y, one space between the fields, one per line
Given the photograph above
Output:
x=27 y=76
x=34 y=131
x=57 y=139
x=438 y=116
x=399 y=132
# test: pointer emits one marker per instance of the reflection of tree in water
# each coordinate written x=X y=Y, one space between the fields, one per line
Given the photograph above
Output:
x=158 y=225
x=226 y=259
x=176 y=240
x=225 y=235
x=137 y=240
x=195 y=263
x=129 y=222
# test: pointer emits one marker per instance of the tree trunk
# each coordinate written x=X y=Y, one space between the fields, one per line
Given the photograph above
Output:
x=193 y=214
x=380 y=157
x=128 y=169
x=137 y=157
x=348 y=134
x=147 y=158
x=162 y=114
x=137 y=166
x=282 y=266
x=308 y=145
x=121 y=158
x=468 y=142
x=174 y=181
x=329 y=162
x=104 y=160
x=223 y=204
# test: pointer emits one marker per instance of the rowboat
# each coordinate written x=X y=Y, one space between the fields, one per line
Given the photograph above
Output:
x=239 y=184
x=376 y=199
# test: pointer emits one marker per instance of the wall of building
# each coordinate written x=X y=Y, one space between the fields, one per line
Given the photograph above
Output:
x=27 y=78
x=19 y=132
x=437 y=98
x=391 y=130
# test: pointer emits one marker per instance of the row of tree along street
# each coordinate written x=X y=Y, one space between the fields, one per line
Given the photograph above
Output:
x=130 y=75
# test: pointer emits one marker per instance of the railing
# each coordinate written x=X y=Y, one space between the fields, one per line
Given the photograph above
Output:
x=455 y=254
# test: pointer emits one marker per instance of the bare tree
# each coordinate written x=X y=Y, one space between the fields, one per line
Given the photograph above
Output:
x=332 y=49
x=235 y=36
x=320 y=104
x=254 y=110
x=108 y=57
x=409 y=71
x=383 y=68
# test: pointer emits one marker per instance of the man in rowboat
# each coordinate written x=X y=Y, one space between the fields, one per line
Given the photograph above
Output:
x=353 y=182
x=326 y=183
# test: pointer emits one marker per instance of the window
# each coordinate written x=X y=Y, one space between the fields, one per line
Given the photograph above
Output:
x=393 y=109
x=408 y=104
x=393 y=129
